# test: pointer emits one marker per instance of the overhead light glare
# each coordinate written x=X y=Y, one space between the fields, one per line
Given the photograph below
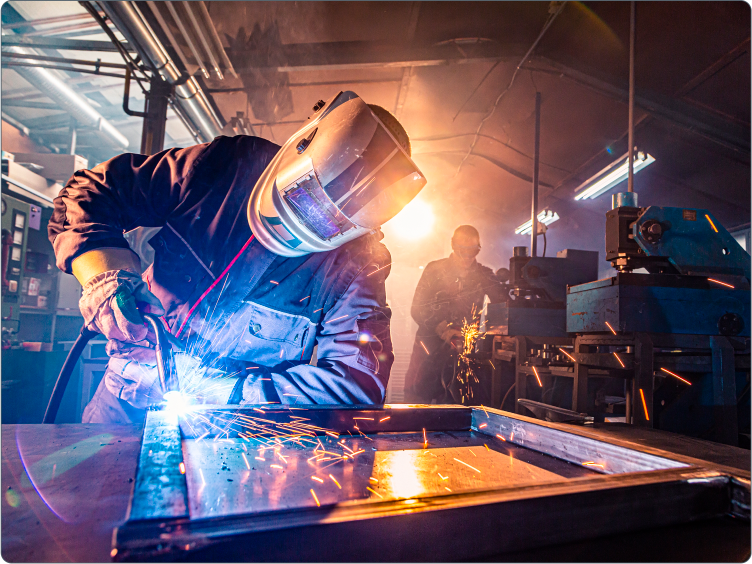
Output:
x=546 y=217
x=612 y=175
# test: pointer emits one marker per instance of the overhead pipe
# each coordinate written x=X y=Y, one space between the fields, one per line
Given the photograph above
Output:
x=72 y=102
x=188 y=94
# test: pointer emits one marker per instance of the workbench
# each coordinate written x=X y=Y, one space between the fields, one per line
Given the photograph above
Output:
x=85 y=476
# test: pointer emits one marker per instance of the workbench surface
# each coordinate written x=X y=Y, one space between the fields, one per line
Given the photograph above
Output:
x=83 y=476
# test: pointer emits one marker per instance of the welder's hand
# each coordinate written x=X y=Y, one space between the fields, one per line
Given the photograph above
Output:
x=110 y=305
x=447 y=333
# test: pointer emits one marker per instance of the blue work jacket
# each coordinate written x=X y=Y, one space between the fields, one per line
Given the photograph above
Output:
x=233 y=302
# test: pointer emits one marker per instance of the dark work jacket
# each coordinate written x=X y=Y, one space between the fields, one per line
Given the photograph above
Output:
x=260 y=309
x=443 y=295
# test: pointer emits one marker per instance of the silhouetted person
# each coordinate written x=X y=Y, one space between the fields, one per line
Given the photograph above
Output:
x=449 y=291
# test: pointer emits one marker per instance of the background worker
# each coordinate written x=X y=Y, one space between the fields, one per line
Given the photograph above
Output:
x=264 y=253
x=449 y=291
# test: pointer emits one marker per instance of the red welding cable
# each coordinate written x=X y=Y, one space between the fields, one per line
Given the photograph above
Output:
x=210 y=288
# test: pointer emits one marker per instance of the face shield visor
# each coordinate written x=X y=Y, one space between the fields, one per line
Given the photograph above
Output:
x=340 y=176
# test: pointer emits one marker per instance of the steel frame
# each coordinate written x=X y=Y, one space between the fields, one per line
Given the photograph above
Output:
x=639 y=487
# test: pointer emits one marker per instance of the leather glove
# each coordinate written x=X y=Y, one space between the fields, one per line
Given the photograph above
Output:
x=447 y=333
x=110 y=302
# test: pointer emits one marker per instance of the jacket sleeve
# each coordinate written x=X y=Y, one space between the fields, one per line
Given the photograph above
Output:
x=97 y=206
x=422 y=309
x=354 y=353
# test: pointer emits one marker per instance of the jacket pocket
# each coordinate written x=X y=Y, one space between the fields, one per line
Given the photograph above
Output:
x=272 y=336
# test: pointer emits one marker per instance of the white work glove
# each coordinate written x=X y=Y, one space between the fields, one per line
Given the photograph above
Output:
x=447 y=333
x=110 y=305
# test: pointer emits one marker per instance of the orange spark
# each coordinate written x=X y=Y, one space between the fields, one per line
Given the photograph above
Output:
x=710 y=221
x=374 y=491
x=466 y=464
x=375 y=271
x=276 y=466
x=259 y=410
x=500 y=437
x=313 y=493
x=537 y=377
x=447 y=489
x=335 y=481
x=568 y=355
x=485 y=445
x=274 y=282
x=620 y=362
x=374 y=480
x=424 y=347
x=644 y=405
x=677 y=376
x=305 y=298
x=482 y=425
x=611 y=328
x=259 y=458
x=335 y=435
x=425 y=440
x=592 y=464
x=246 y=460
x=317 y=479
x=182 y=467
x=484 y=410
x=384 y=419
x=368 y=418
x=721 y=283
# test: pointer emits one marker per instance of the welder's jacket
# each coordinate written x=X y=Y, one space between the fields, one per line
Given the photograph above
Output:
x=260 y=310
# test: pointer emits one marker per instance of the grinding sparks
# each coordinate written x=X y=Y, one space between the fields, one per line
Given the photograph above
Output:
x=331 y=434
x=337 y=318
x=374 y=491
x=710 y=221
x=482 y=425
x=313 y=493
x=485 y=445
x=620 y=362
x=644 y=405
x=246 y=460
x=568 y=355
x=367 y=418
x=335 y=481
x=611 y=328
x=677 y=376
x=442 y=477
x=274 y=282
x=500 y=437
x=537 y=377
x=721 y=283
x=182 y=467
x=261 y=459
x=319 y=480
x=425 y=440
x=447 y=489
x=466 y=464
x=305 y=298
x=384 y=419
x=276 y=466
x=374 y=480
x=424 y=347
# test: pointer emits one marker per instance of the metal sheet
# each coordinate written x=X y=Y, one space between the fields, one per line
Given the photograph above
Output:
x=236 y=476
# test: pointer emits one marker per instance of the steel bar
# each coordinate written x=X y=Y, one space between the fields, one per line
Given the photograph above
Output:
x=45 y=21
x=51 y=32
x=536 y=168
x=62 y=44
x=64 y=60
x=60 y=68
x=630 y=158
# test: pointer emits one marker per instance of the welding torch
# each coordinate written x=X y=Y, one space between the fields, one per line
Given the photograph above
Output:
x=165 y=342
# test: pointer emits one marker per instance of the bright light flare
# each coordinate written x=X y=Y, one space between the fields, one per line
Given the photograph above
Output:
x=414 y=222
x=176 y=402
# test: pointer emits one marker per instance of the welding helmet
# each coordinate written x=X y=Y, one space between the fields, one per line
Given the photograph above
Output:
x=343 y=174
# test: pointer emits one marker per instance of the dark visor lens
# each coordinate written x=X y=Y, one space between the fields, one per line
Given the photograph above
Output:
x=312 y=206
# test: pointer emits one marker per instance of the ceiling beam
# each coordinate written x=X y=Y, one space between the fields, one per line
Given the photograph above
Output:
x=62 y=44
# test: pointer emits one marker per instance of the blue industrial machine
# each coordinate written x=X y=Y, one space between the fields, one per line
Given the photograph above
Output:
x=538 y=293
x=697 y=279
x=674 y=322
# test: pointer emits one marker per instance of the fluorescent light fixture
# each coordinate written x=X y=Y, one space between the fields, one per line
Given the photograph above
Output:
x=547 y=217
x=611 y=176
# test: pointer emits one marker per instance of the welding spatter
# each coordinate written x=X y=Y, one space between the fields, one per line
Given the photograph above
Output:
x=166 y=368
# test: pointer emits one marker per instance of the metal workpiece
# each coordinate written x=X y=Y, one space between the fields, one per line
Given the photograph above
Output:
x=488 y=483
x=76 y=105
x=188 y=94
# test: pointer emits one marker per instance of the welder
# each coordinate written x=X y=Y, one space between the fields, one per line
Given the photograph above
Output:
x=450 y=292
x=264 y=254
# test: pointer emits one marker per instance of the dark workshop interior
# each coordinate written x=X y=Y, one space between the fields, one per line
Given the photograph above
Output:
x=551 y=362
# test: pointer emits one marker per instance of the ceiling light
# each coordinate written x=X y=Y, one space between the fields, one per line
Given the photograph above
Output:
x=546 y=217
x=611 y=176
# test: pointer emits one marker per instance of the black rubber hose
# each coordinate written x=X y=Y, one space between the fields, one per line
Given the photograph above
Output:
x=65 y=373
